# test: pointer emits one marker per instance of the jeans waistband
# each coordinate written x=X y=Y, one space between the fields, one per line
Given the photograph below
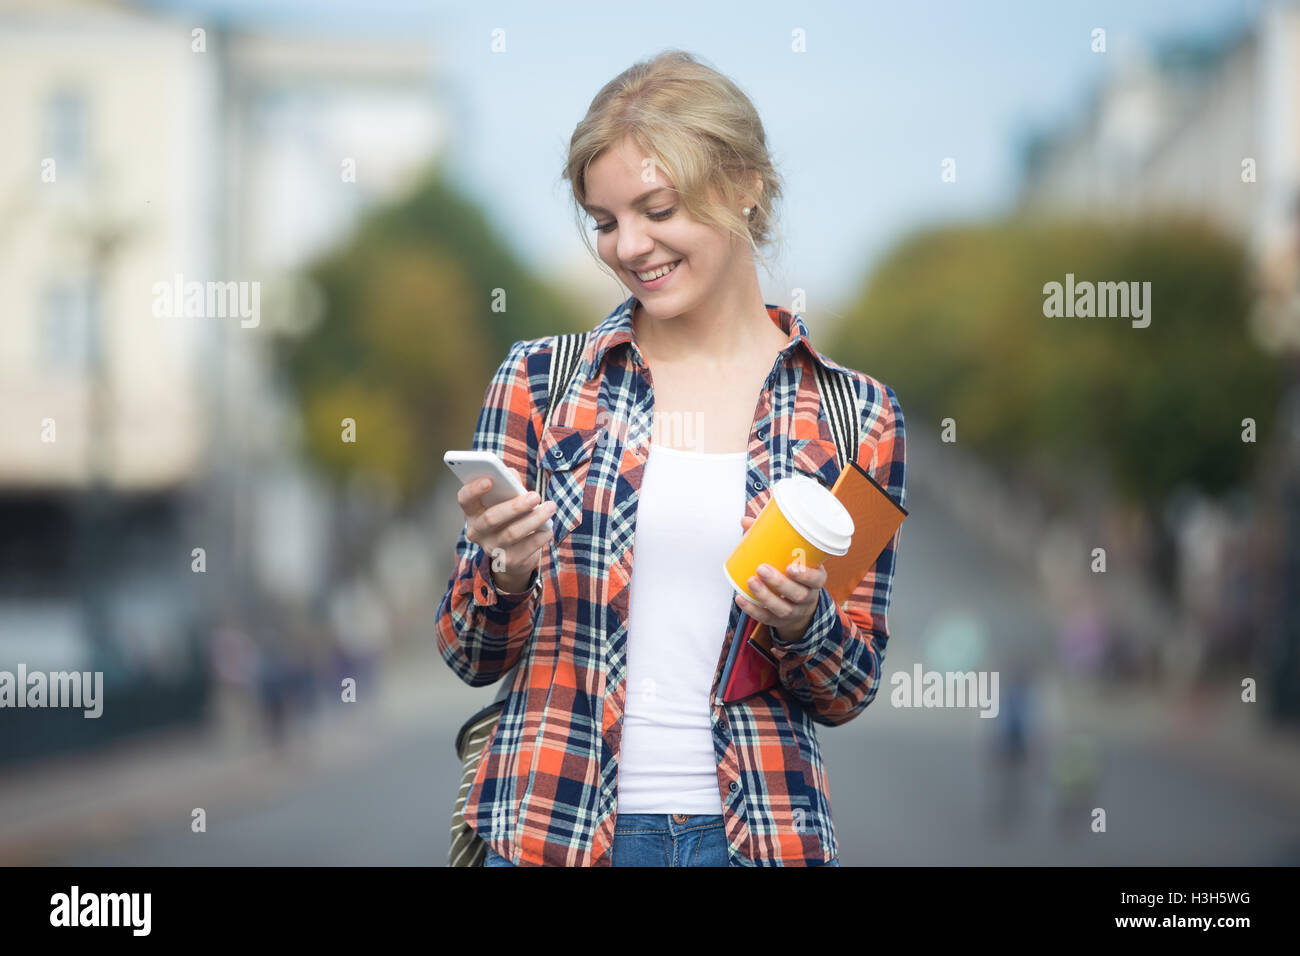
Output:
x=665 y=822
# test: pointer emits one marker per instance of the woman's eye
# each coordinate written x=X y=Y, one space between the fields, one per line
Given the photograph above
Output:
x=656 y=216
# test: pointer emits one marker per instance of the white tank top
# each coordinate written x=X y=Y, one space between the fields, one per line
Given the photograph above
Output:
x=687 y=523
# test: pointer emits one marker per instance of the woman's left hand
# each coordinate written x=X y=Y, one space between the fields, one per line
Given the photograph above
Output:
x=787 y=600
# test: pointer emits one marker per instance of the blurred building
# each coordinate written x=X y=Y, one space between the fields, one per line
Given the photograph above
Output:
x=1213 y=129
x=1205 y=127
x=145 y=152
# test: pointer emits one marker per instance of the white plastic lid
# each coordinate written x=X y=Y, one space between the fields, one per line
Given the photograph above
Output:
x=815 y=513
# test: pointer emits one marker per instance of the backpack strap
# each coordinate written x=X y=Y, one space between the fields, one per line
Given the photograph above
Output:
x=841 y=403
x=566 y=354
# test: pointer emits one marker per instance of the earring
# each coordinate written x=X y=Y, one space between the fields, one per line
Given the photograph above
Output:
x=746 y=211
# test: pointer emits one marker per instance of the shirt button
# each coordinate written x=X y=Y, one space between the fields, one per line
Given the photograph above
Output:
x=483 y=591
x=733 y=786
x=679 y=818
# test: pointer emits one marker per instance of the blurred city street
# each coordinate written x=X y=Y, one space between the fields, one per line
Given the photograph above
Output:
x=264 y=259
x=373 y=782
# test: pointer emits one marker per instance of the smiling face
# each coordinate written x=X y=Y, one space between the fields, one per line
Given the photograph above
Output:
x=642 y=226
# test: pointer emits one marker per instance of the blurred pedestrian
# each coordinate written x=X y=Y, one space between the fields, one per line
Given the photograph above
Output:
x=1012 y=747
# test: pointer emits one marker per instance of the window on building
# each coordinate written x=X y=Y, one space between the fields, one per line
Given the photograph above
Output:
x=66 y=134
x=69 y=325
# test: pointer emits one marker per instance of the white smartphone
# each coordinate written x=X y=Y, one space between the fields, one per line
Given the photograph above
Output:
x=470 y=466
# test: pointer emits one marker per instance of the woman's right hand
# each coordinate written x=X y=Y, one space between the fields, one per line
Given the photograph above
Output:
x=513 y=533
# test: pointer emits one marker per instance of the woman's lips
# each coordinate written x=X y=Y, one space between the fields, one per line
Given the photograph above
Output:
x=661 y=281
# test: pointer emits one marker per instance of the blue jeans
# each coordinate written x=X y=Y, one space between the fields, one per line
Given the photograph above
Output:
x=659 y=839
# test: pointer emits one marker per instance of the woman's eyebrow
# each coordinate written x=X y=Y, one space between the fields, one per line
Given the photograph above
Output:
x=637 y=201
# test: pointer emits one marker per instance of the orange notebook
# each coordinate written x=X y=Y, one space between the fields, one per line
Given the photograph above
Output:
x=876 y=517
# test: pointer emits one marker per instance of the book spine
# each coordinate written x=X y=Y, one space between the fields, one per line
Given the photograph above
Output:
x=736 y=641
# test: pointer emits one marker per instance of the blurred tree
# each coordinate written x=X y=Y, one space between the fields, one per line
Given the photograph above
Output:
x=409 y=340
x=953 y=320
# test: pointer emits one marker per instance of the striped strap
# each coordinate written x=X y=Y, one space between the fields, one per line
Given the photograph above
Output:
x=467 y=848
x=565 y=356
x=841 y=404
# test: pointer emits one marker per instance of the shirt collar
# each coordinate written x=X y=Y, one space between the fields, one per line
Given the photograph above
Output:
x=616 y=329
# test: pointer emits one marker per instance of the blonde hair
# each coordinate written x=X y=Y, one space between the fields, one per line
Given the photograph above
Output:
x=697 y=126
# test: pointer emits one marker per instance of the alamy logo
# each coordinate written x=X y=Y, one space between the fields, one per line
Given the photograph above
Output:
x=946 y=689
x=1125 y=300
x=55 y=689
x=102 y=909
x=209 y=300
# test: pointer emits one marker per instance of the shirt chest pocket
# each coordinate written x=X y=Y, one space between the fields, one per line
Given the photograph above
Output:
x=564 y=457
x=815 y=458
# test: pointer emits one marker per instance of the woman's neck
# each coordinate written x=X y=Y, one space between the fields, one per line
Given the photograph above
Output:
x=699 y=339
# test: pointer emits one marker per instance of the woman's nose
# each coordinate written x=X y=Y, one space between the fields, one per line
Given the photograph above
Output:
x=633 y=244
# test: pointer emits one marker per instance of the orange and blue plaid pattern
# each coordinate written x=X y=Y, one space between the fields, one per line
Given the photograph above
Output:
x=545 y=792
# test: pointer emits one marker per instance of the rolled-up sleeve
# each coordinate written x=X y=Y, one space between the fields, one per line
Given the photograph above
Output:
x=834 y=669
x=482 y=630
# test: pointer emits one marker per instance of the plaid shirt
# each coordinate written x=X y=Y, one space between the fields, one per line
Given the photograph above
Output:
x=545 y=792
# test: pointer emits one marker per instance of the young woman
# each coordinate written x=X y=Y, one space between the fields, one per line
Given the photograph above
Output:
x=689 y=400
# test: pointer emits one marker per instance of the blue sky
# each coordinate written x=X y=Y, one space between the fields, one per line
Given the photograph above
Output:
x=859 y=123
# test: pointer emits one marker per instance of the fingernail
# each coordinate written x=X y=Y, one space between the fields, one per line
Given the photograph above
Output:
x=533 y=498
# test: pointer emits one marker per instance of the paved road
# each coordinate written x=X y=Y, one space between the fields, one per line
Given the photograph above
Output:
x=900 y=798
x=908 y=786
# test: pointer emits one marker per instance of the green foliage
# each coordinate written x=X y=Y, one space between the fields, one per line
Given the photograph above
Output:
x=409 y=340
x=953 y=320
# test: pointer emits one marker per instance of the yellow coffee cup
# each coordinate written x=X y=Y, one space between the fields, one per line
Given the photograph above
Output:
x=802 y=521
